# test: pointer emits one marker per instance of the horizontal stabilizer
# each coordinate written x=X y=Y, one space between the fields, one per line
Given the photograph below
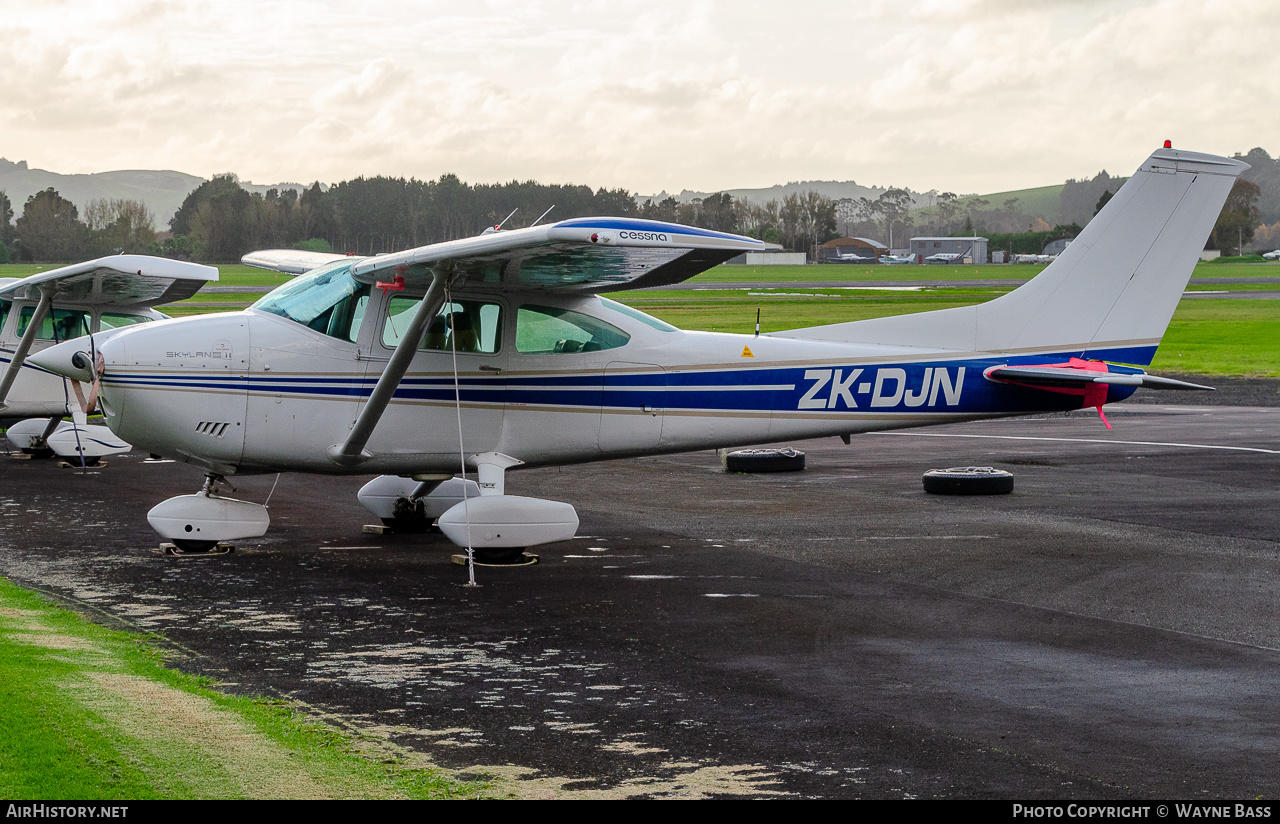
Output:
x=1053 y=377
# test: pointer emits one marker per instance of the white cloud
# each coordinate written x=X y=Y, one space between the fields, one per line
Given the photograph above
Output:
x=979 y=95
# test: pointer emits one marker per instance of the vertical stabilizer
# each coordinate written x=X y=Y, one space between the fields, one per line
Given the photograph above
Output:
x=1110 y=294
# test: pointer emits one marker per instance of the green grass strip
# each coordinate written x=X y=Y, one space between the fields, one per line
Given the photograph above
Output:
x=92 y=713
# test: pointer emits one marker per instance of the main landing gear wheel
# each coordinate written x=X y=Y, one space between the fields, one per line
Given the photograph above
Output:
x=500 y=556
x=196 y=549
x=968 y=480
x=195 y=546
x=408 y=517
x=406 y=526
x=497 y=557
x=764 y=460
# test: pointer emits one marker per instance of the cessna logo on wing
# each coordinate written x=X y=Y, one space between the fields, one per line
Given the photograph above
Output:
x=629 y=235
x=889 y=386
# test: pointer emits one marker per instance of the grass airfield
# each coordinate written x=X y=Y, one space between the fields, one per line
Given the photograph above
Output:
x=93 y=713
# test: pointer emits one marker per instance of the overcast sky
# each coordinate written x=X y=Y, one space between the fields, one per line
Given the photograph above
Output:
x=959 y=95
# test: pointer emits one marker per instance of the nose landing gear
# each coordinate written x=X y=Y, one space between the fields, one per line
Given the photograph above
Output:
x=200 y=522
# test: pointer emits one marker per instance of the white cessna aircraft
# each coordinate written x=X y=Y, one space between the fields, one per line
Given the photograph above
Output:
x=948 y=257
x=43 y=309
x=500 y=349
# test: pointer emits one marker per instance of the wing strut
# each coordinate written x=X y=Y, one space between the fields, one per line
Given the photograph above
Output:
x=352 y=453
x=24 y=345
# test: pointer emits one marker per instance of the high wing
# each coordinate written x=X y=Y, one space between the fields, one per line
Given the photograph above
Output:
x=592 y=254
x=1079 y=374
x=133 y=281
x=291 y=261
x=120 y=280
x=587 y=255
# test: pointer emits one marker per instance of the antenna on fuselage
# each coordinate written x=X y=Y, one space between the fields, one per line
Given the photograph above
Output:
x=757 y=321
x=541 y=216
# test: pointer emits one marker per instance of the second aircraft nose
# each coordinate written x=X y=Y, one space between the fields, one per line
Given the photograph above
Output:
x=71 y=359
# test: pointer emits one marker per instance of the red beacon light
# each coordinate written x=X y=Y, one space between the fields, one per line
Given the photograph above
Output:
x=1168 y=144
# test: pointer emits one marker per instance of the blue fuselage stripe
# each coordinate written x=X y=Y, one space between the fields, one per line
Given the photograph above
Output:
x=941 y=386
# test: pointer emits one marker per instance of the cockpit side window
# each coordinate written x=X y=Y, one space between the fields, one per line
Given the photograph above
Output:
x=544 y=330
x=467 y=325
x=328 y=300
x=5 y=306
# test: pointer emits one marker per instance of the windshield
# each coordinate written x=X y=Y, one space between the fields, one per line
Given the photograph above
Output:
x=328 y=300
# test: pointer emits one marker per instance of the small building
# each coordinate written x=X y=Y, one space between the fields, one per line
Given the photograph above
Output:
x=775 y=259
x=964 y=249
x=1057 y=247
x=848 y=249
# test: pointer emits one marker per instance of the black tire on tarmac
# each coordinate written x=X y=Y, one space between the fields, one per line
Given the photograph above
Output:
x=194 y=546
x=408 y=517
x=408 y=525
x=764 y=460
x=499 y=556
x=968 y=480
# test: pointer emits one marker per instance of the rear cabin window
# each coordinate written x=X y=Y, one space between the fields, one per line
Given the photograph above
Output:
x=4 y=312
x=468 y=325
x=543 y=330
x=636 y=314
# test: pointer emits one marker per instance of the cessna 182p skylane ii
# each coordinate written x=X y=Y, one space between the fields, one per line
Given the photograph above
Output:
x=350 y=368
x=38 y=311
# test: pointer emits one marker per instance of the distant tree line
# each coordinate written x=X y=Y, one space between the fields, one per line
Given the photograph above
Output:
x=220 y=221
x=798 y=222
x=1030 y=243
x=51 y=228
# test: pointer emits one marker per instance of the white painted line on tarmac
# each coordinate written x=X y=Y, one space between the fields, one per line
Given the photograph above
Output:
x=1084 y=440
x=906 y=538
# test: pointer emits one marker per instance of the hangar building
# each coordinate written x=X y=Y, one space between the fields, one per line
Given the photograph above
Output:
x=974 y=248
x=863 y=247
